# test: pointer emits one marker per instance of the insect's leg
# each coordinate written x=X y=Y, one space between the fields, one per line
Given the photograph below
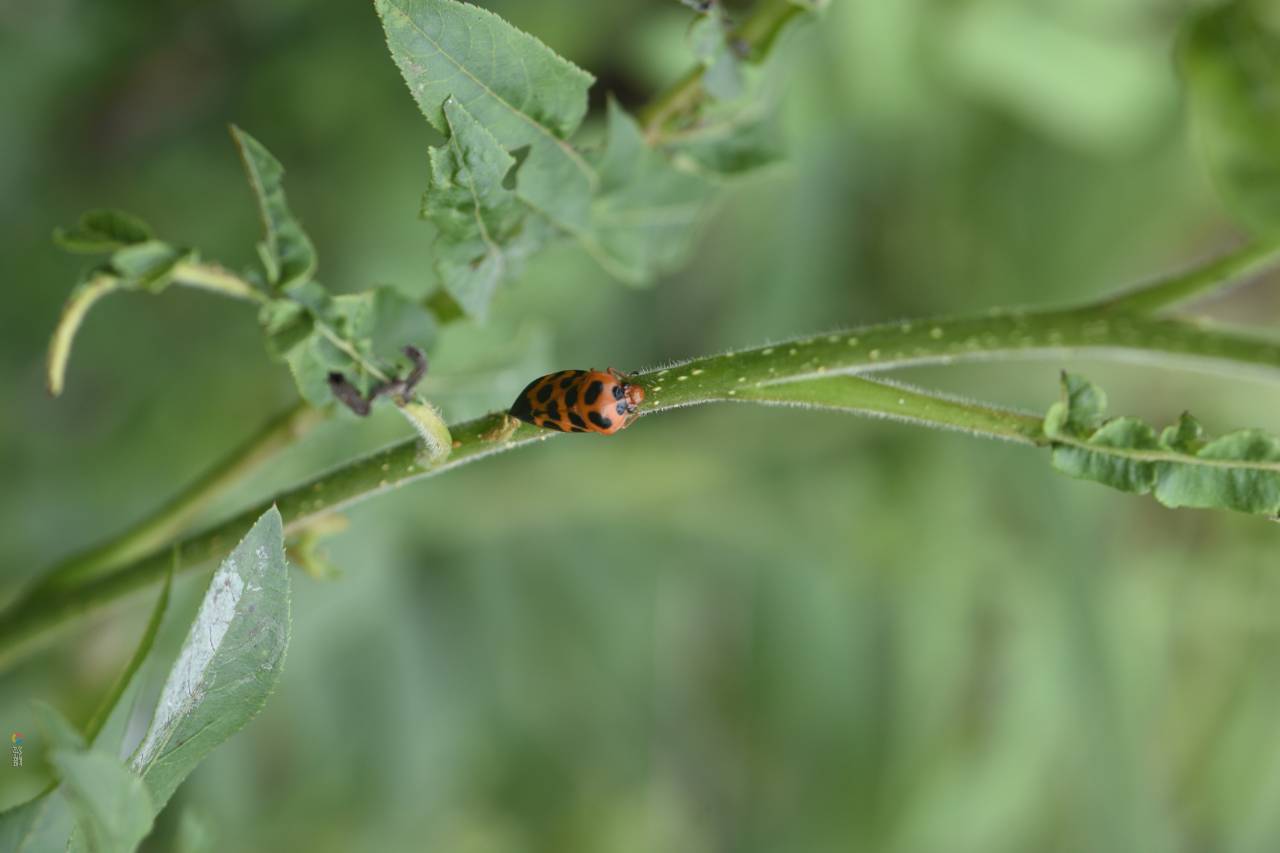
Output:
x=419 y=359
x=348 y=394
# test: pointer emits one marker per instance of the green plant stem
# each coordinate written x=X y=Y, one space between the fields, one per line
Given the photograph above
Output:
x=786 y=373
x=1212 y=277
x=756 y=35
x=753 y=39
x=218 y=280
x=170 y=520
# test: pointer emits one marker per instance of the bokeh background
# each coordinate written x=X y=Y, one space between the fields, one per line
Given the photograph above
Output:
x=728 y=629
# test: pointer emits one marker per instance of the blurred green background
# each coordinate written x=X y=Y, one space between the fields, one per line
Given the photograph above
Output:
x=728 y=629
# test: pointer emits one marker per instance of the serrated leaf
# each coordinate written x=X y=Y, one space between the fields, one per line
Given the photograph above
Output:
x=287 y=252
x=228 y=665
x=1239 y=471
x=111 y=805
x=645 y=217
x=484 y=229
x=1230 y=56
x=103 y=231
x=513 y=84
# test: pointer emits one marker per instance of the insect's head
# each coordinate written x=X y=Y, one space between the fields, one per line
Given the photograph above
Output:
x=634 y=395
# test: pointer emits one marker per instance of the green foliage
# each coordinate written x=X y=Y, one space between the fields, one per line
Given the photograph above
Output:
x=228 y=665
x=98 y=805
x=1178 y=466
x=722 y=72
x=645 y=215
x=286 y=252
x=513 y=84
x=484 y=228
x=632 y=207
x=1231 y=58
x=112 y=807
x=135 y=261
x=103 y=231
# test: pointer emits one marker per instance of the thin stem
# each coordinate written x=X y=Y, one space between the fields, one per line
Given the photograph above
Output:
x=219 y=280
x=896 y=401
x=1212 y=277
x=786 y=373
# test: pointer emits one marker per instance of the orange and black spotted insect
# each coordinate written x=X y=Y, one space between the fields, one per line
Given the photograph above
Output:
x=580 y=401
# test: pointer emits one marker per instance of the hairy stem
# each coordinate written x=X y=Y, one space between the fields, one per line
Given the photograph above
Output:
x=794 y=372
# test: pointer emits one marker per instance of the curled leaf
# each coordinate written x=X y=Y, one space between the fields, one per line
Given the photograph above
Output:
x=103 y=231
x=1178 y=466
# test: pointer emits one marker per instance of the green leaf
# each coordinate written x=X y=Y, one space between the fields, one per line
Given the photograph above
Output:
x=148 y=265
x=112 y=807
x=40 y=825
x=728 y=142
x=97 y=805
x=645 y=217
x=485 y=230
x=228 y=665
x=722 y=75
x=1230 y=56
x=513 y=85
x=1239 y=471
x=360 y=335
x=102 y=231
x=287 y=252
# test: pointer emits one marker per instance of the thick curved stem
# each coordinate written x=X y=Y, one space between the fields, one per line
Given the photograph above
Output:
x=174 y=516
x=794 y=372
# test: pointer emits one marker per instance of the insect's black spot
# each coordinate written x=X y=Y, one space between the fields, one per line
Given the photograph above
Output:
x=622 y=407
x=576 y=420
x=599 y=419
x=553 y=412
x=618 y=392
x=570 y=377
x=571 y=397
x=544 y=393
x=593 y=391
x=547 y=423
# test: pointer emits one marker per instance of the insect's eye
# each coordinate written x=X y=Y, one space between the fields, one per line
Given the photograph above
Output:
x=618 y=392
